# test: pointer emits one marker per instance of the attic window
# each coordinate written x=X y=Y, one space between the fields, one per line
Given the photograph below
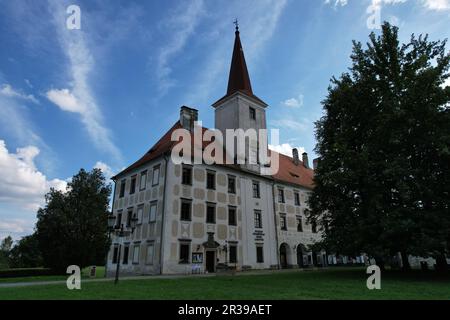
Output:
x=294 y=175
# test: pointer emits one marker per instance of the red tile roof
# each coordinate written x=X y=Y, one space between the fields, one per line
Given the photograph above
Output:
x=288 y=172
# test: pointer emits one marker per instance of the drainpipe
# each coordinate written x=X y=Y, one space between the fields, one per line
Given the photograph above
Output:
x=112 y=212
x=161 y=255
x=275 y=224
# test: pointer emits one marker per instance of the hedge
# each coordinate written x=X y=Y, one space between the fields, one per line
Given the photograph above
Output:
x=26 y=272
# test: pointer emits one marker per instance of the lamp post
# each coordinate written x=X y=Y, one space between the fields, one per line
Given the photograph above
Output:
x=111 y=223
x=122 y=233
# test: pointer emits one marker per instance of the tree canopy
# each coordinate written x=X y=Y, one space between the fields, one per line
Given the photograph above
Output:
x=72 y=227
x=381 y=185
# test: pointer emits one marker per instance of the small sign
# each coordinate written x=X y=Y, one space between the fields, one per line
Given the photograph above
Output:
x=197 y=258
x=93 y=272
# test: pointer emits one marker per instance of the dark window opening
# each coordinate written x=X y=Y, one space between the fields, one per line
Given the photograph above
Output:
x=186 y=210
x=259 y=254
x=184 y=253
x=186 y=176
x=233 y=254
x=210 y=213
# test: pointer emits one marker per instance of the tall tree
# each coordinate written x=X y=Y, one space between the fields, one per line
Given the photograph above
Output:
x=5 y=248
x=384 y=146
x=72 y=227
x=26 y=253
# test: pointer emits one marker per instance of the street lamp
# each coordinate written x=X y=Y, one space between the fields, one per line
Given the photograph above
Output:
x=111 y=224
x=122 y=233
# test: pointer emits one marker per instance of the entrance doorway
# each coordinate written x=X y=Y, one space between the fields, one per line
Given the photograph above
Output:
x=300 y=256
x=283 y=256
x=210 y=261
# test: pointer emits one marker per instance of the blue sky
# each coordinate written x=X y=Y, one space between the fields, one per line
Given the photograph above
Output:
x=102 y=95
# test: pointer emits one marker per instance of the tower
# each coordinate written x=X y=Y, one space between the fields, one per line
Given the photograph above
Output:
x=240 y=108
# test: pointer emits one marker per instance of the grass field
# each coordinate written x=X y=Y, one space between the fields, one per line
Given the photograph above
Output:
x=324 y=284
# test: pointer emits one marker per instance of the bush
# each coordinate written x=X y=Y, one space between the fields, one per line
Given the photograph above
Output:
x=26 y=272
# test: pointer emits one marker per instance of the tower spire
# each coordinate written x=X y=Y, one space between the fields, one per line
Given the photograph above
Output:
x=238 y=80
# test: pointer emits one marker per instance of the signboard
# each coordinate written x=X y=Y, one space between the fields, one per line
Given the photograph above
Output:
x=92 y=272
x=197 y=258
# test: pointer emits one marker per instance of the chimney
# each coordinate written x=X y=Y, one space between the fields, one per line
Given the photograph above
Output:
x=187 y=117
x=305 y=160
x=295 y=157
x=315 y=163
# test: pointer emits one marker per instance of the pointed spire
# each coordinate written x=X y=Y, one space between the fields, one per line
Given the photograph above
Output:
x=239 y=79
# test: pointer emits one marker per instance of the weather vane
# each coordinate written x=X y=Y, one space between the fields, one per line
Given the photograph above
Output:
x=236 y=23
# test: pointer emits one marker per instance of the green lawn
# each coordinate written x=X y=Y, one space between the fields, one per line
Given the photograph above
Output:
x=84 y=274
x=326 y=284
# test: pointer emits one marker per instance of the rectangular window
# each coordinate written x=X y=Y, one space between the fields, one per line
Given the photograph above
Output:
x=283 y=224
x=297 y=198
x=133 y=185
x=259 y=254
x=232 y=184
x=140 y=214
x=184 y=252
x=186 y=177
x=281 y=195
x=155 y=178
x=210 y=213
x=186 y=206
x=129 y=216
x=143 y=181
x=119 y=220
x=258 y=220
x=252 y=112
x=232 y=221
x=233 y=254
x=152 y=213
x=150 y=253
x=299 y=224
x=136 y=253
x=122 y=188
x=210 y=180
x=255 y=187
x=126 y=252
x=115 y=254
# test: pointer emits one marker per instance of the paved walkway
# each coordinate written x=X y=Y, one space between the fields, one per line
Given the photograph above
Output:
x=242 y=273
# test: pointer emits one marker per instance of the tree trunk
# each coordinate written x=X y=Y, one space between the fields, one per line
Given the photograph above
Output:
x=405 y=262
x=441 y=263
x=380 y=263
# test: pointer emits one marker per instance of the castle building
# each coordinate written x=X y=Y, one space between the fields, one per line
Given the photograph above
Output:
x=198 y=218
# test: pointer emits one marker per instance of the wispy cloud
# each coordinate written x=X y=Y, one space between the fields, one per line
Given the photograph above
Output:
x=79 y=98
x=8 y=91
x=180 y=26
x=258 y=22
x=287 y=123
x=438 y=5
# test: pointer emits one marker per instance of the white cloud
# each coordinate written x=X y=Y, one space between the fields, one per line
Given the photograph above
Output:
x=16 y=228
x=437 y=5
x=181 y=25
x=79 y=98
x=65 y=100
x=290 y=124
x=21 y=182
x=294 y=102
x=286 y=149
x=337 y=2
x=107 y=170
x=8 y=91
